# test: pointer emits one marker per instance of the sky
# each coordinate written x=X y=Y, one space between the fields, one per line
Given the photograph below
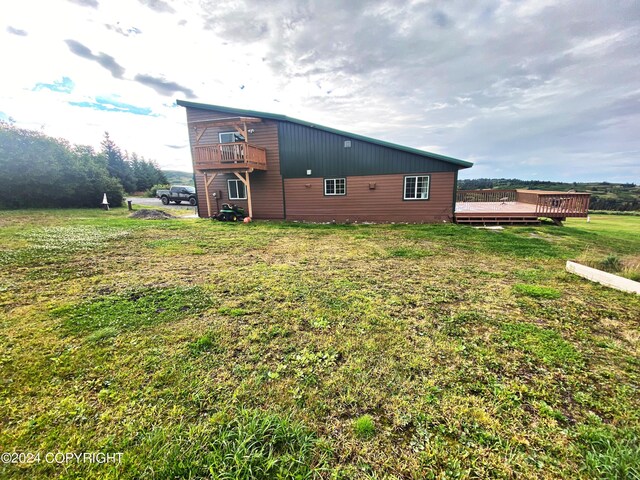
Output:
x=536 y=89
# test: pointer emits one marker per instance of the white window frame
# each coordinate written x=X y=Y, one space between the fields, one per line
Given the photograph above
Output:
x=229 y=133
x=415 y=188
x=238 y=182
x=335 y=185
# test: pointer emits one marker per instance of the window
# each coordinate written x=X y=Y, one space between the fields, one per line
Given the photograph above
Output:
x=230 y=137
x=416 y=188
x=237 y=190
x=335 y=186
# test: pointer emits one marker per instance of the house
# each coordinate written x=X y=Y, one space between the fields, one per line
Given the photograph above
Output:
x=278 y=167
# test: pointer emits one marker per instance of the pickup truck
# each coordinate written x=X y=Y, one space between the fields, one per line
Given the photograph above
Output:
x=178 y=194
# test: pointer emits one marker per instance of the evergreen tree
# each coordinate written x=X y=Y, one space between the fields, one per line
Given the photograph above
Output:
x=146 y=172
x=40 y=171
x=118 y=164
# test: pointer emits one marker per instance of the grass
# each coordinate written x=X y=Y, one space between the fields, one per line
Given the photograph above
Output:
x=248 y=444
x=364 y=427
x=540 y=344
x=131 y=309
x=611 y=453
x=536 y=291
x=286 y=350
x=407 y=252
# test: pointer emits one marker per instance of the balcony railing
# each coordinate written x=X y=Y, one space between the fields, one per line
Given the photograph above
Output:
x=229 y=156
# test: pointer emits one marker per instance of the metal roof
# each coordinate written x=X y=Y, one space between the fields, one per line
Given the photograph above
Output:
x=284 y=118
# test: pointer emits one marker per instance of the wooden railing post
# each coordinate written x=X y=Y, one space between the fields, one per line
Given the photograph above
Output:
x=247 y=185
x=206 y=194
x=249 y=196
x=207 y=182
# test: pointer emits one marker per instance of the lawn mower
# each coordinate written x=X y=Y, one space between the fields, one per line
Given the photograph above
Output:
x=230 y=213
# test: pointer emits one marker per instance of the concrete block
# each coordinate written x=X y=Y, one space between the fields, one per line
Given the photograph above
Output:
x=604 y=278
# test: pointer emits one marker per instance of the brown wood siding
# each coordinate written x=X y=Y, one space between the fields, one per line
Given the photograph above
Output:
x=305 y=200
x=266 y=186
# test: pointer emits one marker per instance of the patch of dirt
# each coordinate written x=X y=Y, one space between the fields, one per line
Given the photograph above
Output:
x=150 y=214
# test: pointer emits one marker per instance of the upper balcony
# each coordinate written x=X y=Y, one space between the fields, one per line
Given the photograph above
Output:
x=227 y=148
x=237 y=156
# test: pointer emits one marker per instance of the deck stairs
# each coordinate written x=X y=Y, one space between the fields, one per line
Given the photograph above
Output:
x=488 y=220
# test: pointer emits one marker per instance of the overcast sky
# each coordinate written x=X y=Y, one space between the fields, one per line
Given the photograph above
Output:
x=529 y=89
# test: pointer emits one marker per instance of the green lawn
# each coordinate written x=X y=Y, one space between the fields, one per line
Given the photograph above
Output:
x=278 y=350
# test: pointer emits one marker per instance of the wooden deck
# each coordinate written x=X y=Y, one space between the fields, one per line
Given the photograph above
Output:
x=496 y=207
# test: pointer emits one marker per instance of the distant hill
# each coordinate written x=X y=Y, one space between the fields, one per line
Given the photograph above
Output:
x=604 y=195
x=176 y=177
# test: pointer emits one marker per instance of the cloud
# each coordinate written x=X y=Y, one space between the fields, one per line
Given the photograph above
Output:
x=17 y=31
x=86 y=3
x=512 y=80
x=65 y=85
x=111 y=105
x=176 y=147
x=122 y=31
x=237 y=22
x=106 y=61
x=501 y=83
x=441 y=19
x=162 y=86
x=159 y=6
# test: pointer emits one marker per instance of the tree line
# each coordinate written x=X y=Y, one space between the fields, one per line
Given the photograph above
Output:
x=604 y=195
x=40 y=171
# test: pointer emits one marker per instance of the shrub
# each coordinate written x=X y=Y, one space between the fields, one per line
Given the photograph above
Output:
x=611 y=264
x=152 y=191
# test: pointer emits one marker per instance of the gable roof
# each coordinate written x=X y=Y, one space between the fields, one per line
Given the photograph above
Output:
x=284 y=118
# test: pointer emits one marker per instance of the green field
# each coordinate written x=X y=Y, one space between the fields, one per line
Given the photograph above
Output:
x=282 y=350
x=176 y=177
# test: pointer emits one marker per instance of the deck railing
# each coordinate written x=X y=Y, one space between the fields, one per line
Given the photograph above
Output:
x=563 y=205
x=229 y=156
x=547 y=204
x=486 y=196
